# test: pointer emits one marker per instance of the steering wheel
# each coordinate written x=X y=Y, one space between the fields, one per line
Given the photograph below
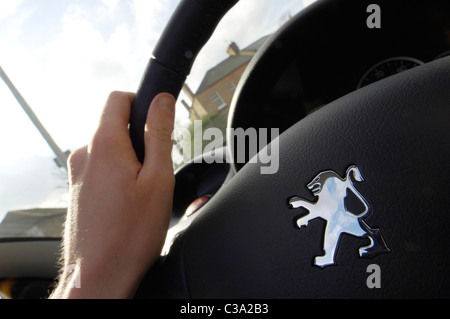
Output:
x=359 y=206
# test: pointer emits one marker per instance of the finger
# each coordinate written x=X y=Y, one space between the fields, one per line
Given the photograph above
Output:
x=114 y=120
x=158 y=135
x=116 y=113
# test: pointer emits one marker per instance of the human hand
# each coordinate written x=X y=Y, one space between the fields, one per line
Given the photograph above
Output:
x=119 y=209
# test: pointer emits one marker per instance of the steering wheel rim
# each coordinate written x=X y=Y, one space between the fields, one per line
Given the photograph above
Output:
x=249 y=241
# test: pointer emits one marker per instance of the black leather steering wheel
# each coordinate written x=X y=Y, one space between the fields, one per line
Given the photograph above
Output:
x=362 y=186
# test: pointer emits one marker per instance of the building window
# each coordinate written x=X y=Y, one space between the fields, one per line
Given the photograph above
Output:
x=231 y=86
x=217 y=100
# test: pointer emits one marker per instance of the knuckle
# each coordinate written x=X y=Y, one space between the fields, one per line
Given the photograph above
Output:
x=120 y=96
x=101 y=140
x=76 y=162
x=78 y=156
x=164 y=178
x=115 y=95
x=161 y=132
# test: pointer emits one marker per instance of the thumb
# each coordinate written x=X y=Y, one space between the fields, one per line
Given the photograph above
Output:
x=158 y=134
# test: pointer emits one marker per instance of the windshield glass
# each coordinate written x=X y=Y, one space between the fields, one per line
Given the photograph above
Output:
x=64 y=57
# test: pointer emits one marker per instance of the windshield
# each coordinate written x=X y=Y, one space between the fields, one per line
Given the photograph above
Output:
x=64 y=57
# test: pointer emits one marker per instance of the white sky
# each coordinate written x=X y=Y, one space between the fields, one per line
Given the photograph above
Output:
x=65 y=56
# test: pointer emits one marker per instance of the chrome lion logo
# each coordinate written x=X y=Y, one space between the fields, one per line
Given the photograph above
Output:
x=334 y=195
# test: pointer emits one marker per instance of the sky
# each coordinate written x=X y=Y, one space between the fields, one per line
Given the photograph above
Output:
x=66 y=56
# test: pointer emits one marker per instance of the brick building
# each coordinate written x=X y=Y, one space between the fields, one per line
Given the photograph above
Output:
x=216 y=91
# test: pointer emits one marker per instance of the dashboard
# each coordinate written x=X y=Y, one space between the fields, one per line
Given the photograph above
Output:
x=304 y=68
x=30 y=268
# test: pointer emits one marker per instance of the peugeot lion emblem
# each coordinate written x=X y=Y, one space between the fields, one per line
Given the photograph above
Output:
x=332 y=191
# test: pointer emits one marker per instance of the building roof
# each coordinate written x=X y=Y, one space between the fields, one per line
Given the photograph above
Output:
x=229 y=65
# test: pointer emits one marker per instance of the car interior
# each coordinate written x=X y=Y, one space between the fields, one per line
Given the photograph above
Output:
x=364 y=106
